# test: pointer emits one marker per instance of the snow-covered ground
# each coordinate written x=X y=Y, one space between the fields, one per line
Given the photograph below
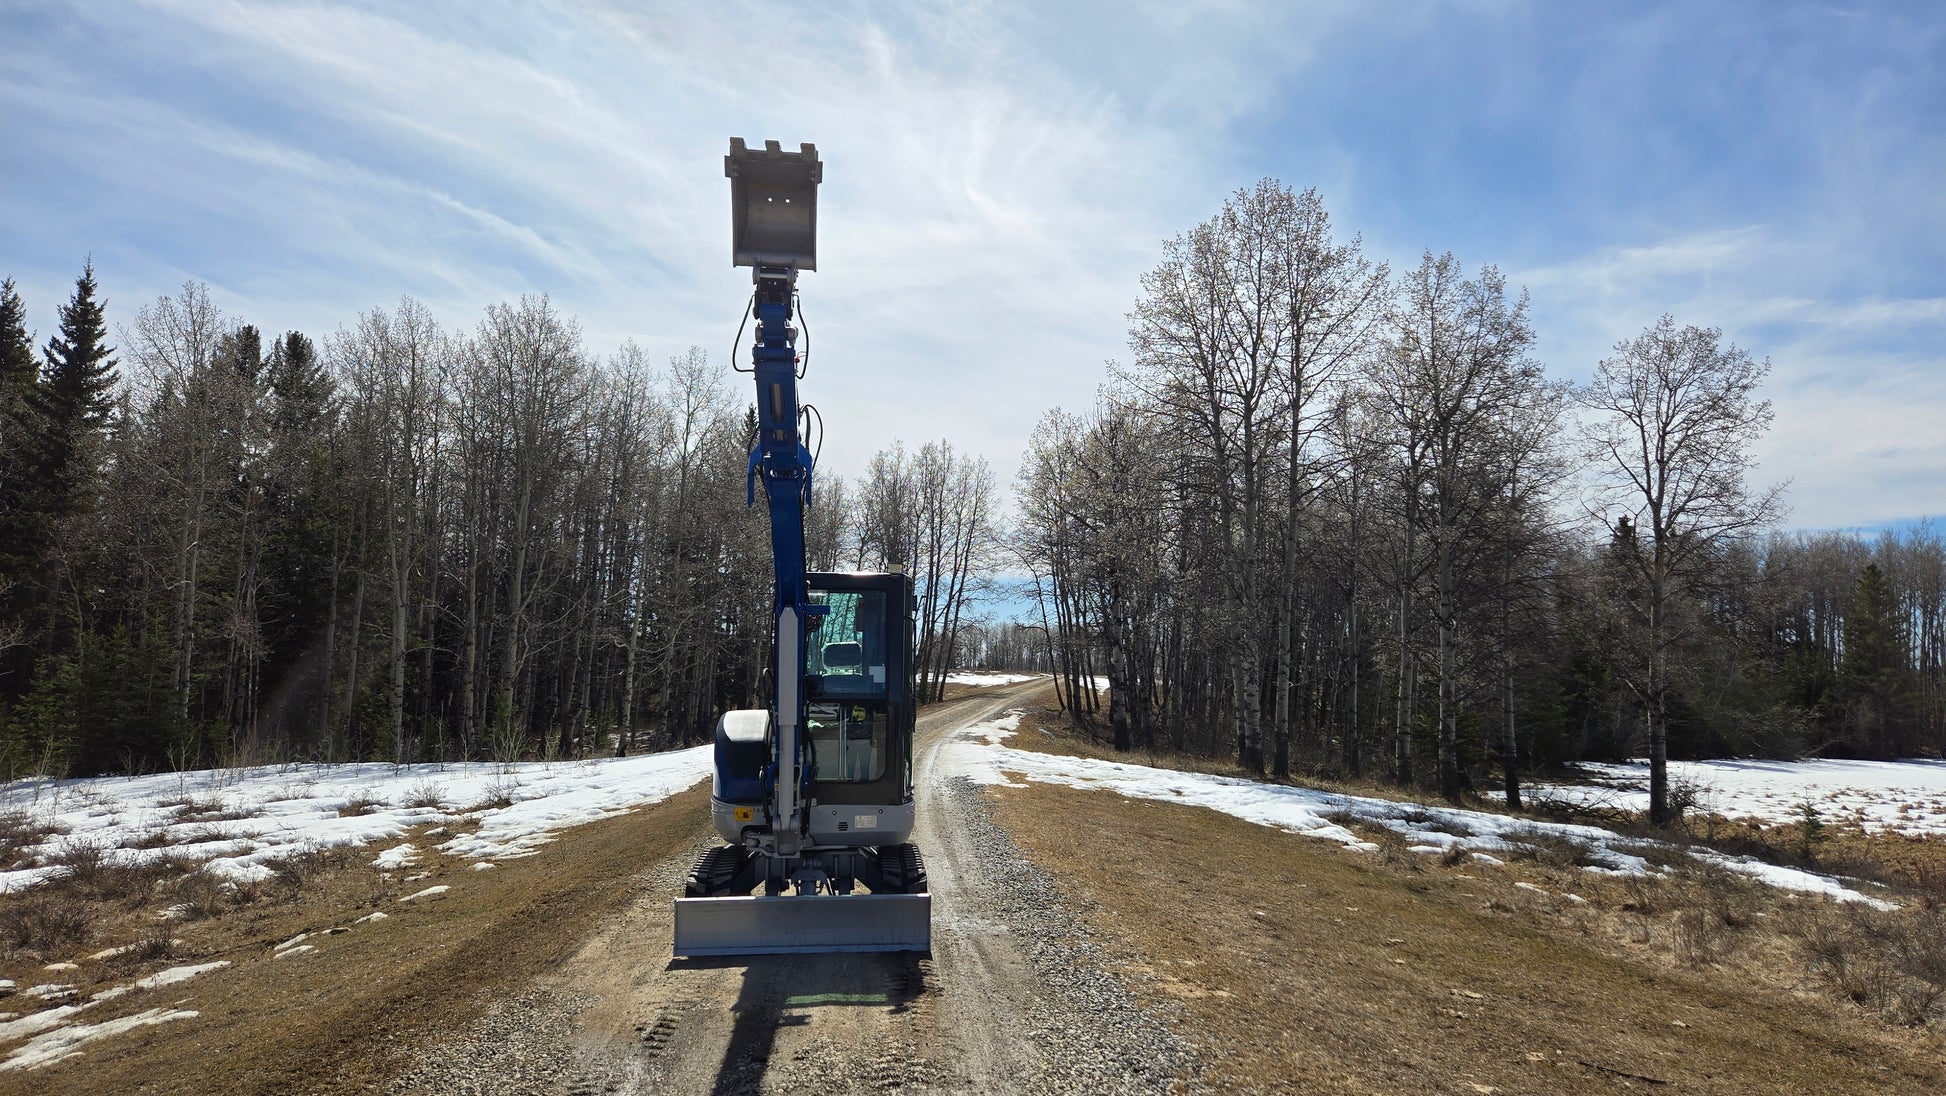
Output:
x=239 y=822
x=1311 y=813
x=58 y=1036
x=1901 y=796
x=984 y=678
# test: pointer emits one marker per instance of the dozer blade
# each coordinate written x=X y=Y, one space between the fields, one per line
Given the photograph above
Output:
x=773 y=205
x=788 y=924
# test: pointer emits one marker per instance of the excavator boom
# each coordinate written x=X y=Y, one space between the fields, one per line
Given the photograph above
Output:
x=812 y=795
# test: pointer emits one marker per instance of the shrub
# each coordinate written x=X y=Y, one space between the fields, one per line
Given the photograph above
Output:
x=47 y=920
x=426 y=793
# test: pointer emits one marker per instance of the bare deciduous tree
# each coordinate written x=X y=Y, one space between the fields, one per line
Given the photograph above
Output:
x=1678 y=414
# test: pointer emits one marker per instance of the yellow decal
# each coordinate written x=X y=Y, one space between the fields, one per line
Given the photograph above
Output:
x=745 y=814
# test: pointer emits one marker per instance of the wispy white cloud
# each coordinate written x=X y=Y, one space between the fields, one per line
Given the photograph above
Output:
x=986 y=213
x=1858 y=384
x=1000 y=174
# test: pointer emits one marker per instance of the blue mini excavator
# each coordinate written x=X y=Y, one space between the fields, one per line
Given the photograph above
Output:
x=813 y=795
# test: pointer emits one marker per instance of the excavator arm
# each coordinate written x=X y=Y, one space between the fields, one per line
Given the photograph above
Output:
x=807 y=828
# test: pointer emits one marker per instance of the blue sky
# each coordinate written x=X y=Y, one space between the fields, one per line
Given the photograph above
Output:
x=1000 y=175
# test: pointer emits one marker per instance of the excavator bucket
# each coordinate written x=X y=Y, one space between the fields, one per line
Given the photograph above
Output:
x=774 y=204
x=745 y=925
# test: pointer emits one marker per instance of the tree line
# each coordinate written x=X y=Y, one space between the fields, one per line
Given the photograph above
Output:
x=404 y=541
x=1337 y=518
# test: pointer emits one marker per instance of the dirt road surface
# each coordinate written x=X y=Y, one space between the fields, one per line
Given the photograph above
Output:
x=1010 y=998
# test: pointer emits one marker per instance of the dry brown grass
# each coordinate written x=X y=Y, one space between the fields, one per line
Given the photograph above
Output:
x=1690 y=920
x=496 y=795
x=190 y=808
x=1302 y=966
x=1891 y=962
x=43 y=922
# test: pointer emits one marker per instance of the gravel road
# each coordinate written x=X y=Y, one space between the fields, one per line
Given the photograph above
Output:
x=1013 y=998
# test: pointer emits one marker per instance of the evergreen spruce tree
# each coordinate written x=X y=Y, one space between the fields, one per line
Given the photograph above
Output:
x=74 y=399
x=304 y=524
x=1872 y=670
x=302 y=388
x=16 y=358
x=17 y=525
x=17 y=380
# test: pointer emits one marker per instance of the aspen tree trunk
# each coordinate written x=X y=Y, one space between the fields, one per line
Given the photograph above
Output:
x=1408 y=686
x=1280 y=720
x=1449 y=775
x=330 y=644
x=1511 y=745
x=625 y=725
x=357 y=641
x=1353 y=761
x=395 y=692
x=425 y=625
x=1655 y=710
x=191 y=567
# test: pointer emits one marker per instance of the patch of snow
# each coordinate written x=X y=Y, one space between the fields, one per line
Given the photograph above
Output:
x=57 y=967
x=1487 y=858
x=982 y=678
x=483 y=865
x=159 y=979
x=48 y=991
x=111 y=953
x=396 y=857
x=1900 y=796
x=978 y=755
x=237 y=869
x=23 y=878
x=179 y=974
x=66 y=1042
x=298 y=950
x=38 y=1022
x=292 y=942
x=375 y=915
x=292 y=809
x=961 y=759
x=429 y=892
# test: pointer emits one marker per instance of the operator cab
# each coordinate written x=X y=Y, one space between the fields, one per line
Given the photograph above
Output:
x=859 y=716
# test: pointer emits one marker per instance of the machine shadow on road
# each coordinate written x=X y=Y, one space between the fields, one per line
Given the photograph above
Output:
x=784 y=991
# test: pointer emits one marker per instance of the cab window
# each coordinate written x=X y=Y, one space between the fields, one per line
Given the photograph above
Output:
x=847 y=644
